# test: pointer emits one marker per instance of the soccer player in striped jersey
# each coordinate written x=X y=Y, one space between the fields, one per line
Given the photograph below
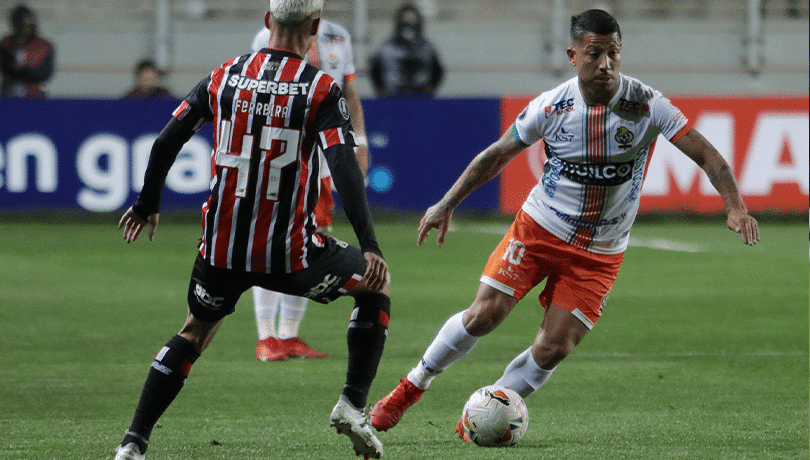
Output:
x=331 y=52
x=599 y=130
x=272 y=113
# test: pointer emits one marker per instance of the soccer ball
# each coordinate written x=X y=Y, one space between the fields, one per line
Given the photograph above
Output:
x=495 y=416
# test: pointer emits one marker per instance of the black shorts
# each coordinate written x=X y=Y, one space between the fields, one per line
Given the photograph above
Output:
x=333 y=269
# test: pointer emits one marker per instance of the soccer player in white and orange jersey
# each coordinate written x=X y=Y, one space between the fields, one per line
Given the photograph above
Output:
x=599 y=129
x=332 y=53
x=273 y=115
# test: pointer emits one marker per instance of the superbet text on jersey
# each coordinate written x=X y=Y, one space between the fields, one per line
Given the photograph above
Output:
x=597 y=157
x=271 y=112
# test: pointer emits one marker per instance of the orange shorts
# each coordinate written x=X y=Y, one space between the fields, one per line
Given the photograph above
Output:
x=578 y=281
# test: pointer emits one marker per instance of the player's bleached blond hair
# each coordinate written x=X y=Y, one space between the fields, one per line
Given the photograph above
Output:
x=294 y=11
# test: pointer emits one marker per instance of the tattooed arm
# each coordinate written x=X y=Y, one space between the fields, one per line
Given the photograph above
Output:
x=483 y=168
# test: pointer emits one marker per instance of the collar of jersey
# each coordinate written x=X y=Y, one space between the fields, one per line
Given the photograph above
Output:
x=282 y=53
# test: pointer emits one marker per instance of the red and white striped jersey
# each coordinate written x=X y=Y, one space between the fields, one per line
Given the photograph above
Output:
x=596 y=160
x=271 y=111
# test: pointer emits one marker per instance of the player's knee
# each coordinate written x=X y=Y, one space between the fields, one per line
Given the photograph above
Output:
x=488 y=311
x=363 y=288
x=371 y=308
x=482 y=321
x=548 y=354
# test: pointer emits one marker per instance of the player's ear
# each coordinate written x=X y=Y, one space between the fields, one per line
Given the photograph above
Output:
x=572 y=53
x=267 y=17
x=315 y=25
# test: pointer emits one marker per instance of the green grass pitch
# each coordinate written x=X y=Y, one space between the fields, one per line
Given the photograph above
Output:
x=702 y=352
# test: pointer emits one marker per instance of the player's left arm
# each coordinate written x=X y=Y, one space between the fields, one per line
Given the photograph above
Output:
x=349 y=184
x=701 y=151
x=358 y=124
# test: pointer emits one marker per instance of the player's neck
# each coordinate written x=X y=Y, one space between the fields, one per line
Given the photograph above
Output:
x=293 y=43
x=597 y=96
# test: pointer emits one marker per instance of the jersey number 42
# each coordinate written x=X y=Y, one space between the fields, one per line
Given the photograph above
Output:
x=279 y=145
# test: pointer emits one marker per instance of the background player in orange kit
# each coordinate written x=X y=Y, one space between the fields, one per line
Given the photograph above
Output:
x=599 y=130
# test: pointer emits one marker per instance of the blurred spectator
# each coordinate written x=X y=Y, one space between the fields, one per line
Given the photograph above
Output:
x=148 y=82
x=406 y=63
x=27 y=61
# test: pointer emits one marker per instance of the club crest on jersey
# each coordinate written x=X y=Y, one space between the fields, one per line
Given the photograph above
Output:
x=624 y=137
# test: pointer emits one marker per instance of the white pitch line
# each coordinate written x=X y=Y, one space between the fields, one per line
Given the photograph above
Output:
x=665 y=244
x=652 y=243
x=694 y=354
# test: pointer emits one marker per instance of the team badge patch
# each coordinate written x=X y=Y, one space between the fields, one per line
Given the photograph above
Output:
x=344 y=108
x=624 y=137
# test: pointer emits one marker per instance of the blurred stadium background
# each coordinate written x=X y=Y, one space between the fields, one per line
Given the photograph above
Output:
x=489 y=47
x=738 y=69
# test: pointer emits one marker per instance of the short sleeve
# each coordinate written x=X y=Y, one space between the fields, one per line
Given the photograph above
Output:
x=669 y=119
x=528 y=125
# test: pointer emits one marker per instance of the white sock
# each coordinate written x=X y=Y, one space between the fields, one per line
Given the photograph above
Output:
x=451 y=344
x=265 y=303
x=524 y=375
x=290 y=316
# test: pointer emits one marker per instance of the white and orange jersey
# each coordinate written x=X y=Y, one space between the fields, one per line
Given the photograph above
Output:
x=331 y=52
x=596 y=160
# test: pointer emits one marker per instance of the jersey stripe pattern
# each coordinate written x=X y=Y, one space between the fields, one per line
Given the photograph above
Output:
x=595 y=153
x=596 y=158
x=271 y=111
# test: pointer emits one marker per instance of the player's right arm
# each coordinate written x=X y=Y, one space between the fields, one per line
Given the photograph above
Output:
x=185 y=121
x=146 y=209
x=483 y=168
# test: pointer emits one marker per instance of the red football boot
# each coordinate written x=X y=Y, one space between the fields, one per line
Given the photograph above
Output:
x=296 y=348
x=389 y=410
x=270 y=349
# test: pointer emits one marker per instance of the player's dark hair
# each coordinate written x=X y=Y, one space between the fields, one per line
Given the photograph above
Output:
x=595 y=21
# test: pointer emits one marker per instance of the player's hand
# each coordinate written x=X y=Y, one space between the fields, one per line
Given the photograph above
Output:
x=745 y=225
x=437 y=216
x=376 y=275
x=361 y=153
x=132 y=224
